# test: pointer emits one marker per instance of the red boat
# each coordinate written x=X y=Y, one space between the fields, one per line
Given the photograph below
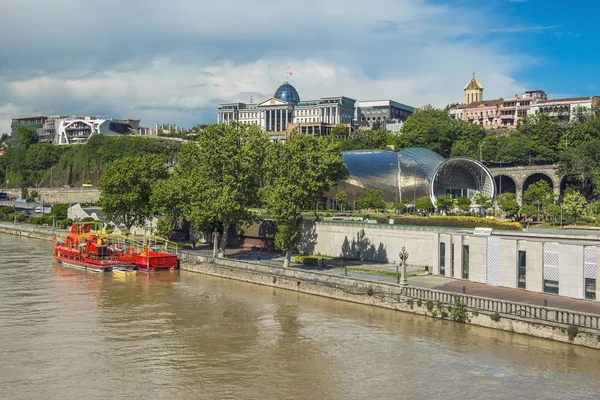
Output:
x=90 y=249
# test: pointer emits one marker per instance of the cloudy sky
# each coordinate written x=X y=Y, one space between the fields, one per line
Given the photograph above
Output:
x=174 y=61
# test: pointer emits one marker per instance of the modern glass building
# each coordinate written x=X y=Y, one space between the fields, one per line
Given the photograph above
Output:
x=413 y=173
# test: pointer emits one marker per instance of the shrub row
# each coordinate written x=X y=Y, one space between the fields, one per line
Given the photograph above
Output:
x=307 y=260
x=455 y=222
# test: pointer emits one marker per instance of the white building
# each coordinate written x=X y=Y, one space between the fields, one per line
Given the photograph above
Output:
x=284 y=112
x=565 y=108
x=74 y=130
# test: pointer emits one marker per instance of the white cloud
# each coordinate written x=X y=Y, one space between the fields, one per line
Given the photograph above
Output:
x=175 y=61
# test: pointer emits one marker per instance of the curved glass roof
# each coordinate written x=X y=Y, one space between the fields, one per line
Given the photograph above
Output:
x=371 y=169
x=416 y=168
x=287 y=92
x=462 y=176
x=412 y=173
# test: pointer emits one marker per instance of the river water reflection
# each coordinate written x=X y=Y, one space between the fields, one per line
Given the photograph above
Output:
x=67 y=334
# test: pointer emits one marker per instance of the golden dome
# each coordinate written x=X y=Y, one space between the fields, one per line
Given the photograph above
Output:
x=473 y=84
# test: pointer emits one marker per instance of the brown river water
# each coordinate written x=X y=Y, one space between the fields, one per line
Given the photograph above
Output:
x=68 y=334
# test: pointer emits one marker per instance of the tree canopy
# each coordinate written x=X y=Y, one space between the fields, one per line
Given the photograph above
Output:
x=297 y=174
x=216 y=179
x=126 y=188
x=371 y=200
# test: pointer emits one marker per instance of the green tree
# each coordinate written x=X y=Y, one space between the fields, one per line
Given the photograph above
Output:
x=399 y=206
x=164 y=226
x=511 y=207
x=59 y=211
x=339 y=130
x=554 y=210
x=126 y=189
x=529 y=211
x=423 y=203
x=433 y=129
x=341 y=199
x=580 y=164
x=574 y=205
x=463 y=203
x=484 y=202
x=26 y=136
x=216 y=179
x=371 y=200
x=297 y=174
x=445 y=203
x=540 y=195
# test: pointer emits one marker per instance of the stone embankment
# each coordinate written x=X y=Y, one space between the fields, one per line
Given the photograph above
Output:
x=538 y=321
x=62 y=195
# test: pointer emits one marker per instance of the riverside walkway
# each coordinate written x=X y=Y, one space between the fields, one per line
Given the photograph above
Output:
x=383 y=272
x=380 y=272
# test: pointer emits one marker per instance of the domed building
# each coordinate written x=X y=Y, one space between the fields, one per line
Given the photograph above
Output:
x=284 y=112
x=288 y=93
x=412 y=173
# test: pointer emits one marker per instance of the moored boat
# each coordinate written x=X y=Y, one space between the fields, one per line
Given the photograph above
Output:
x=88 y=247
x=122 y=271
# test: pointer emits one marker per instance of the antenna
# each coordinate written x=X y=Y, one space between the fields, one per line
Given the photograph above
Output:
x=251 y=99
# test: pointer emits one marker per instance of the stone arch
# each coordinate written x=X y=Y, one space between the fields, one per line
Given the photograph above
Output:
x=505 y=184
x=538 y=176
x=565 y=182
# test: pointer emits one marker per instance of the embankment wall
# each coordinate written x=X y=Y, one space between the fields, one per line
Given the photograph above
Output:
x=62 y=195
x=542 y=322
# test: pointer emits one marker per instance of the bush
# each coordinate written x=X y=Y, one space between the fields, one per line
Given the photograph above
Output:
x=454 y=222
x=459 y=312
x=65 y=223
x=88 y=219
x=20 y=217
x=36 y=220
x=495 y=317
x=59 y=211
x=6 y=210
x=429 y=305
x=307 y=260
x=572 y=331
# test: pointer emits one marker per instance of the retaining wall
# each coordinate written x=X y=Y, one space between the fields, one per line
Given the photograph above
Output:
x=62 y=195
x=543 y=322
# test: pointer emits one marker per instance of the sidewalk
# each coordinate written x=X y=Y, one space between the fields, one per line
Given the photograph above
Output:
x=382 y=272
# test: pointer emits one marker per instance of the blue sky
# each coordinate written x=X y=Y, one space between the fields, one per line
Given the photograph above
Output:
x=173 y=62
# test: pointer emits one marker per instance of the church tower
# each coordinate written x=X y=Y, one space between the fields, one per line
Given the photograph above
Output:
x=473 y=91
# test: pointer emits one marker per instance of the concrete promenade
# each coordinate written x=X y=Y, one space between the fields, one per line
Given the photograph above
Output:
x=378 y=272
x=382 y=272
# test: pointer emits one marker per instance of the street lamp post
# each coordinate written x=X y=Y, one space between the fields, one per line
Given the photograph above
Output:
x=215 y=236
x=403 y=257
x=397 y=272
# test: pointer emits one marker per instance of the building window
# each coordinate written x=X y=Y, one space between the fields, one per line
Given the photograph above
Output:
x=442 y=258
x=550 y=286
x=522 y=270
x=465 y=262
x=452 y=261
x=590 y=288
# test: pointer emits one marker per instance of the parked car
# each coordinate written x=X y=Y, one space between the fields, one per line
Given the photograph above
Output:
x=39 y=210
x=26 y=213
x=3 y=196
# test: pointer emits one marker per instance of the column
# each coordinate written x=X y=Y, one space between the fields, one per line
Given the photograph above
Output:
x=268 y=120
x=280 y=120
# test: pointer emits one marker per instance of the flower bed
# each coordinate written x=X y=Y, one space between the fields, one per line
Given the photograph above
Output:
x=455 y=222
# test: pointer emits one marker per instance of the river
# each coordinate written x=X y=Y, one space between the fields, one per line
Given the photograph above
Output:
x=68 y=334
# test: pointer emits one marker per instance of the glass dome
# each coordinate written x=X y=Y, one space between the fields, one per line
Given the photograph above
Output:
x=287 y=92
